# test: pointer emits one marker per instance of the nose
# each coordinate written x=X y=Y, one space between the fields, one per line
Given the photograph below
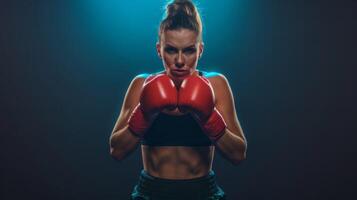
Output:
x=179 y=60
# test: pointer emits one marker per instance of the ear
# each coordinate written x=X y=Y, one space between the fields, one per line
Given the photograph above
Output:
x=200 y=48
x=158 y=49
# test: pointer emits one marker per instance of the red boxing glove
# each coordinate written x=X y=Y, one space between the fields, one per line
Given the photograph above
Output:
x=196 y=96
x=158 y=92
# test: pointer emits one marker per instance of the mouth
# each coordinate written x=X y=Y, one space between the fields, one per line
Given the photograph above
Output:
x=180 y=72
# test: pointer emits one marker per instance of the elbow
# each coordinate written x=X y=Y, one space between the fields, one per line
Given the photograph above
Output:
x=114 y=151
x=239 y=159
x=240 y=155
x=239 y=152
x=115 y=154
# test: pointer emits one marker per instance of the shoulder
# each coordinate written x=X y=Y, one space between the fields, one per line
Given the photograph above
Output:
x=139 y=79
x=133 y=92
x=216 y=79
x=221 y=88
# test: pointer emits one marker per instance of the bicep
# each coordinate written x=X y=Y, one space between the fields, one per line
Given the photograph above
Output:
x=225 y=104
x=131 y=100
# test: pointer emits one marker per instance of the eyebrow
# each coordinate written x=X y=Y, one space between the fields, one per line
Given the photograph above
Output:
x=188 y=47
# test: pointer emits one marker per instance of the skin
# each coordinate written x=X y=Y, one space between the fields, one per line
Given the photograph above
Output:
x=180 y=51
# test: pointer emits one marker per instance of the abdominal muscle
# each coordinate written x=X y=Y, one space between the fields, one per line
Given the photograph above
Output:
x=177 y=162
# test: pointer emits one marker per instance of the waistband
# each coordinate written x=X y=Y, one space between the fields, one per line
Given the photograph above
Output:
x=202 y=186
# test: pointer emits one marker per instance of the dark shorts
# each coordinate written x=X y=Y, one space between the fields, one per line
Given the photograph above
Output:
x=153 y=188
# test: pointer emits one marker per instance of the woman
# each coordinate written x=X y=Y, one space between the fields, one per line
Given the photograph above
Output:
x=179 y=116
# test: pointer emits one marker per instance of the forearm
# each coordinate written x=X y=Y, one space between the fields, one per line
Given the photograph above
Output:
x=122 y=143
x=232 y=147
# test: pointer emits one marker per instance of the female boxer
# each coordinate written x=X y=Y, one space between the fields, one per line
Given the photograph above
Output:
x=179 y=116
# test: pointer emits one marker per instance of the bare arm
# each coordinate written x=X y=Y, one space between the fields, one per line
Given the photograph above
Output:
x=122 y=141
x=232 y=145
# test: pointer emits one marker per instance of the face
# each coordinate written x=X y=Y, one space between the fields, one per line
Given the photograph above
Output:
x=180 y=51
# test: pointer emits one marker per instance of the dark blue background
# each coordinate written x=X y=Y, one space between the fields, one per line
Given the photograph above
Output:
x=65 y=67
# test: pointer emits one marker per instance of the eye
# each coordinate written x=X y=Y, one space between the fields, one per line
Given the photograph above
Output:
x=170 y=50
x=190 y=51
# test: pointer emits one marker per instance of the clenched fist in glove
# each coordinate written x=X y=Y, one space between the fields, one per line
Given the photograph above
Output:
x=158 y=93
x=196 y=96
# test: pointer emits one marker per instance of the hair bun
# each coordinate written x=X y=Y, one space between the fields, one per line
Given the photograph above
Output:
x=181 y=7
x=181 y=14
